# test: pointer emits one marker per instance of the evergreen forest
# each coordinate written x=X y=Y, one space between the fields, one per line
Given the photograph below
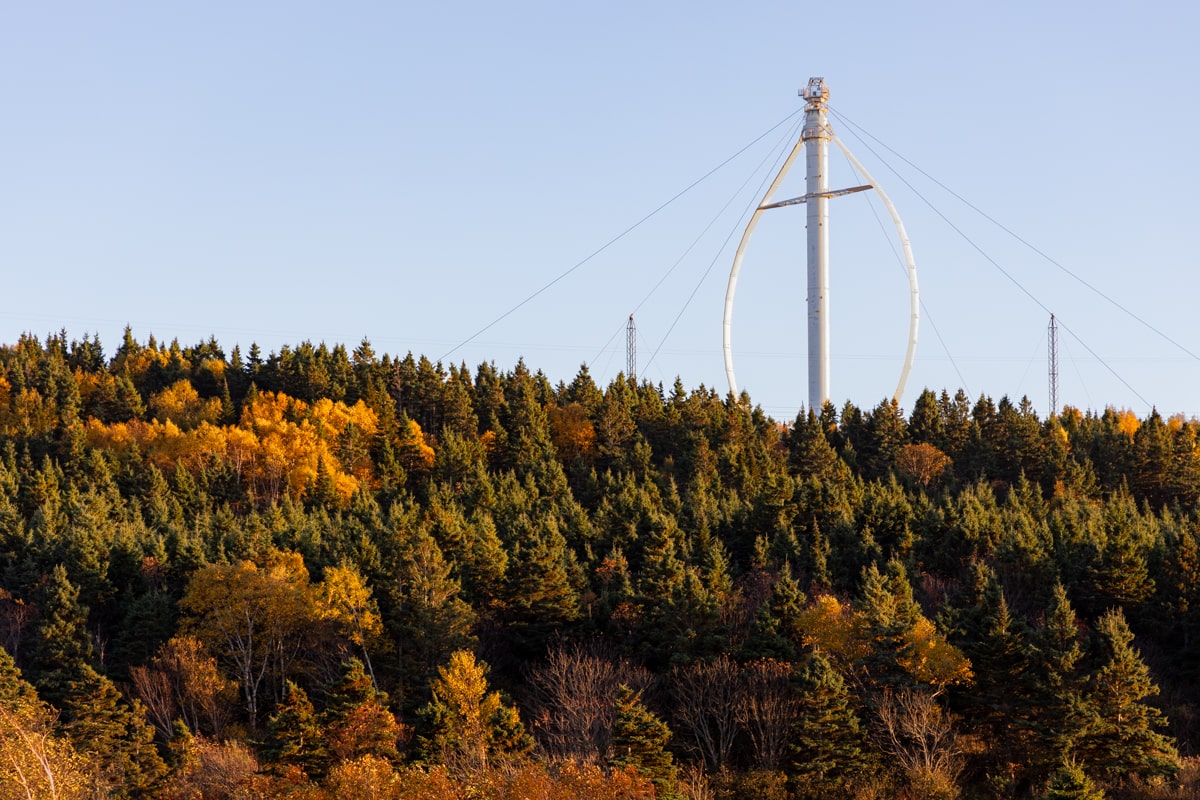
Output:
x=327 y=573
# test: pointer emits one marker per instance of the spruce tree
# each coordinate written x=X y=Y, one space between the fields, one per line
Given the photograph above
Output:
x=423 y=611
x=809 y=451
x=997 y=644
x=356 y=721
x=113 y=736
x=925 y=424
x=540 y=594
x=465 y=725
x=640 y=740
x=1070 y=782
x=774 y=633
x=1057 y=712
x=294 y=735
x=829 y=747
x=1120 y=737
x=890 y=614
x=62 y=643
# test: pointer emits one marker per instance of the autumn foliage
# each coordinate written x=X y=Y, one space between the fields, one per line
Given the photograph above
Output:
x=281 y=446
x=323 y=573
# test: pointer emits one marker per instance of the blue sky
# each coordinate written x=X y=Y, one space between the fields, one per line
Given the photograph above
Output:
x=275 y=172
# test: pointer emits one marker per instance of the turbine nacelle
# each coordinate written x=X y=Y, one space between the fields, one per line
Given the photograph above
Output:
x=816 y=92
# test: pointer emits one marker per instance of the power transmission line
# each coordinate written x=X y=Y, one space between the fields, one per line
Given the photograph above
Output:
x=618 y=237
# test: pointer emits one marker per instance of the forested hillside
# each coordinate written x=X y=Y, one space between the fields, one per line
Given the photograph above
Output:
x=324 y=573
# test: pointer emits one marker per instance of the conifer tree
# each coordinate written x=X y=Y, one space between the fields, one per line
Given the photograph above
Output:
x=829 y=746
x=925 y=424
x=294 y=735
x=540 y=594
x=62 y=644
x=113 y=736
x=1057 y=710
x=809 y=451
x=1178 y=601
x=356 y=721
x=998 y=644
x=466 y=725
x=774 y=633
x=1070 y=782
x=640 y=740
x=1119 y=574
x=471 y=546
x=890 y=614
x=660 y=587
x=885 y=433
x=458 y=413
x=1120 y=735
x=427 y=618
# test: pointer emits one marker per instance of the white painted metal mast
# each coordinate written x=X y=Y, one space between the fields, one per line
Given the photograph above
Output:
x=816 y=137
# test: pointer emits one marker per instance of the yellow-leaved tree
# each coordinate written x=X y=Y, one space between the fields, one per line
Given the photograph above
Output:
x=279 y=446
x=35 y=760
x=346 y=600
x=257 y=621
x=884 y=639
x=469 y=724
x=296 y=440
x=181 y=403
x=268 y=623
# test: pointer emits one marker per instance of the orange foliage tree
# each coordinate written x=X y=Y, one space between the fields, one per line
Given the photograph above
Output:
x=279 y=446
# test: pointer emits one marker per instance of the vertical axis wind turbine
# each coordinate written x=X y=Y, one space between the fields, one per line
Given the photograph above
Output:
x=814 y=138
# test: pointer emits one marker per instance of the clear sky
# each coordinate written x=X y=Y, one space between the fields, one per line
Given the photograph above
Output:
x=409 y=172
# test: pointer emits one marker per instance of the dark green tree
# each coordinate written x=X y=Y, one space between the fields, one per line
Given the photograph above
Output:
x=422 y=609
x=830 y=753
x=998 y=644
x=775 y=631
x=890 y=613
x=925 y=424
x=640 y=740
x=62 y=645
x=113 y=735
x=1057 y=711
x=1120 y=735
x=294 y=735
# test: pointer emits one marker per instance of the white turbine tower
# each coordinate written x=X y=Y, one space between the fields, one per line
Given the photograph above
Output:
x=814 y=139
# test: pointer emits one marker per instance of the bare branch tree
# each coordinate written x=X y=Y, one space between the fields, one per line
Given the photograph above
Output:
x=182 y=681
x=157 y=692
x=694 y=784
x=575 y=699
x=16 y=616
x=706 y=695
x=766 y=707
x=915 y=730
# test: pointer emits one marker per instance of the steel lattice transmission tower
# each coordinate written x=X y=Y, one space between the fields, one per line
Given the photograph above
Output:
x=1052 y=335
x=631 y=350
